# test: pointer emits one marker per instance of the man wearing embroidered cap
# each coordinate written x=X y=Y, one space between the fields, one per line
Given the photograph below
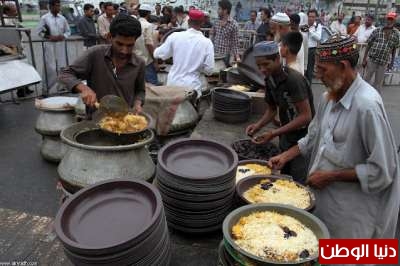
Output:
x=288 y=92
x=381 y=51
x=193 y=54
x=353 y=160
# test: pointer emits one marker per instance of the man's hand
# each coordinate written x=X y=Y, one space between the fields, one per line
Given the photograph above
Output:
x=88 y=95
x=278 y=162
x=252 y=129
x=320 y=179
x=137 y=108
x=237 y=58
x=264 y=138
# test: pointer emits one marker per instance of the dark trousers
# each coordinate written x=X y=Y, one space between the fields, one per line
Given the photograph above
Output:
x=227 y=60
x=150 y=74
x=310 y=64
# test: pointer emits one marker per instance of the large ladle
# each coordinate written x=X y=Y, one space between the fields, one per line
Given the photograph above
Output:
x=111 y=104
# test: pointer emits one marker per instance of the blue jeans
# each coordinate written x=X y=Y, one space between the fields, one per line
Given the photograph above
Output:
x=150 y=74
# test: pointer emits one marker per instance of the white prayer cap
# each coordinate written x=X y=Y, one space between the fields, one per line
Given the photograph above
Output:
x=281 y=18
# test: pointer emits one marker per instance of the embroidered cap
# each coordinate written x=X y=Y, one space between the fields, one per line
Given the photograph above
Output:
x=337 y=47
x=265 y=48
x=281 y=18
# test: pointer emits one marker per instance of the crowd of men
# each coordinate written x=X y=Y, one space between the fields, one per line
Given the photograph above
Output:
x=267 y=25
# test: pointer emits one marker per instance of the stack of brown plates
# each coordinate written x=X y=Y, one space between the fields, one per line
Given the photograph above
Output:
x=116 y=222
x=230 y=106
x=196 y=179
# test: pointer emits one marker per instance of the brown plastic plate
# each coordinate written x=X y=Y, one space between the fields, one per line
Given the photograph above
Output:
x=108 y=216
x=197 y=159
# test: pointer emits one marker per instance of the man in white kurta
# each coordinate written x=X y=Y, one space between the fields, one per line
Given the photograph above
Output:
x=192 y=53
x=55 y=29
x=353 y=161
x=338 y=27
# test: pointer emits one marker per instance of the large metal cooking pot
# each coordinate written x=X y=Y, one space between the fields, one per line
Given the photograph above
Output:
x=53 y=149
x=219 y=63
x=306 y=218
x=186 y=115
x=93 y=156
x=50 y=122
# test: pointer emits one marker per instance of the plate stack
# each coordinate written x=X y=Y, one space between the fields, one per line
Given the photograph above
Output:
x=196 y=179
x=230 y=106
x=116 y=222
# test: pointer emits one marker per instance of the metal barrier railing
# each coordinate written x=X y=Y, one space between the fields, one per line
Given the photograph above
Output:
x=71 y=48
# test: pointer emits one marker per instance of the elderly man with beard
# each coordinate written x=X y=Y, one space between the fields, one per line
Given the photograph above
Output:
x=282 y=22
x=353 y=161
x=110 y=69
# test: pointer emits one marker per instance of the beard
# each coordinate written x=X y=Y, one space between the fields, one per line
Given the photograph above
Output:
x=334 y=88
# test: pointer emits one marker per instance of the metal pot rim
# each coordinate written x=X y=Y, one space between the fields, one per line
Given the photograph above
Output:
x=67 y=135
x=247 y=209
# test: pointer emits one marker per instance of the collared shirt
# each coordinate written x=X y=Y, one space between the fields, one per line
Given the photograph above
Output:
x=57 y=25
x=314 y=35
x=95 y=66
x=87 y=29
x=338 y=28
x=362 y=34
x=183 y=22
x=193 y=54
x=145 y=39
x=226 y=37
x=104 y=25
x=355 y=133
x=250 y=25
x=381 y=47
x=284 y=91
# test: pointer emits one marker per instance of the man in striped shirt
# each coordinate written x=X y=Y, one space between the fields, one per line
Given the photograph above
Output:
x=225 y=33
